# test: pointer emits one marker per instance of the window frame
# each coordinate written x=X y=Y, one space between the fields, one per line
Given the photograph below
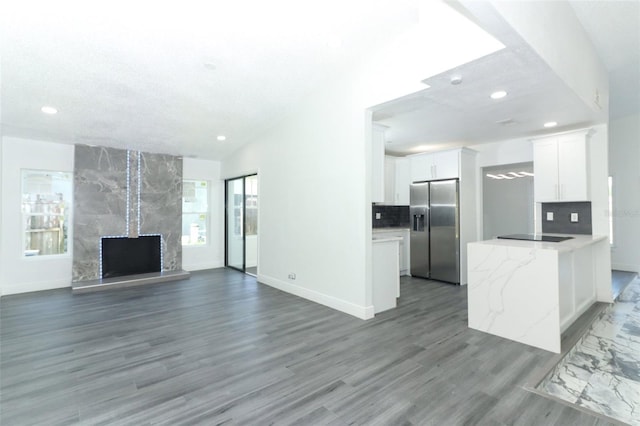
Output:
x=68 y=215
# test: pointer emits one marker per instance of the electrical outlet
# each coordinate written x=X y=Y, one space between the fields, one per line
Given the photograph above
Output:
x=378 y=215
x=574 y=217
x=292 y=276
x=549 y=216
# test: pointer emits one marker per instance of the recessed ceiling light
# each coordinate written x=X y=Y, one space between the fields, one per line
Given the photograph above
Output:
x=498 y=94
x=550 y=124
x=221 y=138
x=49 y=110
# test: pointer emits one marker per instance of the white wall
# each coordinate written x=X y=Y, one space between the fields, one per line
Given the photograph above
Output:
x=315 y=166
x=624 y=161
x=496 y=154
x=210 y=255
x=20 y=274
x=598 y=179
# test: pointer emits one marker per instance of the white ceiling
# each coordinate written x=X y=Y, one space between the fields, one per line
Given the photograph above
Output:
x=166 y=77
x=170 y=77
x=447 y=115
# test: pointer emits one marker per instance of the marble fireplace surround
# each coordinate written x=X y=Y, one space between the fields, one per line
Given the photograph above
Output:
x=124 y=193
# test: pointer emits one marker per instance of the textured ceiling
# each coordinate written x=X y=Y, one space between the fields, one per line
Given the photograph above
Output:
x=447 y=115
x=167 y=77
x=170 y=77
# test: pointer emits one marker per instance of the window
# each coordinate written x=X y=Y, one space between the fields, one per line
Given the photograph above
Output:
x=46 y=211
x=195 y=211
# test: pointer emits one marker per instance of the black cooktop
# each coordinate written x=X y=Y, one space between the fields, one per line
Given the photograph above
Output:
x=535 y=237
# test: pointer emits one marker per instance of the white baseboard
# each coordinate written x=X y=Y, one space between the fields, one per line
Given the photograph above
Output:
x=201 y=266
x=358 y=311
x=625 y=267
x=35 y=286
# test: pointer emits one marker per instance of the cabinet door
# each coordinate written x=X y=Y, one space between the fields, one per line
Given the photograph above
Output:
x=545 y=170
x=389 y=180
x=572 y=168
x=446 y=165
x=377 y=165
x=420 y=168
x=403 y=182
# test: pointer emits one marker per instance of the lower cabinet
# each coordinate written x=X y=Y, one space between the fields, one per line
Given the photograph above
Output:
x=404 y=245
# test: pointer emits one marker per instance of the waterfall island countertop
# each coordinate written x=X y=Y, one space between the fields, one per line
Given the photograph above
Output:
x=532 y=291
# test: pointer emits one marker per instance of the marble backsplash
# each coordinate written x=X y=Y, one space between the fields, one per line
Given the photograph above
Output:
x=124 y=193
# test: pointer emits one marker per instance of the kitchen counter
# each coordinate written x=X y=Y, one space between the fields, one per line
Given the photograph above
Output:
x=385 y=239
x=394 y=228
x=403 y=249
x=577 y=241
x=532 y=291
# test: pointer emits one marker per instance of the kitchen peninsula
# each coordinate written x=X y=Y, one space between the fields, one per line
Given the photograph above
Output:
x=531 y=291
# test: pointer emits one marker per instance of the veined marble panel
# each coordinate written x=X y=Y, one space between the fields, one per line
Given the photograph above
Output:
x=602 y=372
x=99 y=204
x=161 y=204
x=513 y=293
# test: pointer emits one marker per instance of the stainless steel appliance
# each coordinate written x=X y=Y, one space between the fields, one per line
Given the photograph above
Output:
x=435 y=230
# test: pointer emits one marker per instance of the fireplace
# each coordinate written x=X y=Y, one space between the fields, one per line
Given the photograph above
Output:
x=122 y=256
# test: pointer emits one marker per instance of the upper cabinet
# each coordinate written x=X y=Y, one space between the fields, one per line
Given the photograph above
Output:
x=561 y=168
x=435 y=166
x=403 y=182
x=396 y=181
x=377 y=163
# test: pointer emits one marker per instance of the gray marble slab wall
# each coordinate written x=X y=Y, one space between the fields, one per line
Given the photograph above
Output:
x=110 y=200
x=161 y=204
x=99 y=205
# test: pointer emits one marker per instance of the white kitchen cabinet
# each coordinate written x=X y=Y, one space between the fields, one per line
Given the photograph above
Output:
x=396 y=181
x=446 y=164
x=435 y=166
x=386 y=279
x=561 y=168
x=389 y=180
x=403 y=181
x=404 y=245
x=377 y=163
x=421 y=167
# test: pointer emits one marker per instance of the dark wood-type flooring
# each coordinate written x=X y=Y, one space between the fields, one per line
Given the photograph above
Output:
x=223 y=349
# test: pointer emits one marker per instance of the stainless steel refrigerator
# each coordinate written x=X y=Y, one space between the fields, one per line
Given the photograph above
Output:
x=435 y=230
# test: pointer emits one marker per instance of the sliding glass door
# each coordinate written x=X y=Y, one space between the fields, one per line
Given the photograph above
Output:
x=241 y=251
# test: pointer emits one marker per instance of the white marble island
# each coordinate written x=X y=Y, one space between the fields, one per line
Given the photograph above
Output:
x=531 y=291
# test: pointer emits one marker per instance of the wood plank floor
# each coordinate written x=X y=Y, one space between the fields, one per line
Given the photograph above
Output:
x=223 y=349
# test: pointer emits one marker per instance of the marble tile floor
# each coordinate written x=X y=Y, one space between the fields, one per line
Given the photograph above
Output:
x=601 y=372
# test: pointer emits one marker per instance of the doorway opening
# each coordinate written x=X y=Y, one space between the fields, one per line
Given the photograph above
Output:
x=241 y=224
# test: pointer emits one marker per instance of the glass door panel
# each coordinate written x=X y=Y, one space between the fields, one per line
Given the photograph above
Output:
x=235 y=224
x=251 y=224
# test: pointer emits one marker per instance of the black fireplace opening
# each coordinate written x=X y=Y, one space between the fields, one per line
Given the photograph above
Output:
x=123 y=256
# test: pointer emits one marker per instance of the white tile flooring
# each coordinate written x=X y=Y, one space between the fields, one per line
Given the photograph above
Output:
x=602 y=372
